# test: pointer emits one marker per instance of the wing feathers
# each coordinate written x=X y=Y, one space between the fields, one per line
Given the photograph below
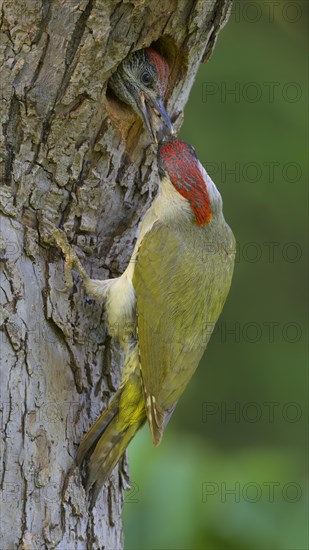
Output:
x=177 y=295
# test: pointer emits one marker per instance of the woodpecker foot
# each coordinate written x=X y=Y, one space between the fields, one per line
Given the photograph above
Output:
x=71 y=259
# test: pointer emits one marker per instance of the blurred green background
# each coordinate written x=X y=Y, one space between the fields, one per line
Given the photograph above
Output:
x=237 y=480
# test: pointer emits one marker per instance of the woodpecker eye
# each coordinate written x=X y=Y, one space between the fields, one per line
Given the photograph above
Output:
x=146 y=78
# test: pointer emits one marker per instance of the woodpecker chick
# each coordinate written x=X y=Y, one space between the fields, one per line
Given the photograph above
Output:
x=141 y=81
x=164 y=306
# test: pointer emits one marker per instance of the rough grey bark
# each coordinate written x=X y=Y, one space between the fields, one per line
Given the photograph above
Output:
x=73 y=156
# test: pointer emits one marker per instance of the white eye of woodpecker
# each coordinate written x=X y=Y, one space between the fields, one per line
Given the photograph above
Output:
x=146 y=78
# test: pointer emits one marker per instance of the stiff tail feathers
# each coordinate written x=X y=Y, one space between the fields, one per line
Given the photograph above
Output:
x=106 y=455
x=107 y=440
x=98 y=428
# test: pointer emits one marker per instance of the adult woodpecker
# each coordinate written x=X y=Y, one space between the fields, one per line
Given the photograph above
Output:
x=164 y=306
x=141 y=81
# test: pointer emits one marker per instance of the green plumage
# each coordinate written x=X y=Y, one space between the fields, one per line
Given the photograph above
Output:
x=181 y=289
x=180 y=292
x=165 y=306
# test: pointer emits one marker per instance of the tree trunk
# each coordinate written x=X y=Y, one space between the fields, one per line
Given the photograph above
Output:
x=74 y=157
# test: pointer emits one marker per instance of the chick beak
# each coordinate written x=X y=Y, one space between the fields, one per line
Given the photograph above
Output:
x=155 y=116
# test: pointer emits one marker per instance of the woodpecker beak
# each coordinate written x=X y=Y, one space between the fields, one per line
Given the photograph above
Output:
x=155 y=116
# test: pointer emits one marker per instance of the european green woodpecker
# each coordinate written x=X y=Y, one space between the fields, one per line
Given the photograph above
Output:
x=164 y=306
x=141 y=81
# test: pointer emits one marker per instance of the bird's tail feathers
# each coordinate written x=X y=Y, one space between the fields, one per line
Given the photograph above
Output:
x=110 y=435
x=98 y=428
x=107 y=454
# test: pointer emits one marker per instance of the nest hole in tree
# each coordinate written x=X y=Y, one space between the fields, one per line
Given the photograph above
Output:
x=123 y=117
